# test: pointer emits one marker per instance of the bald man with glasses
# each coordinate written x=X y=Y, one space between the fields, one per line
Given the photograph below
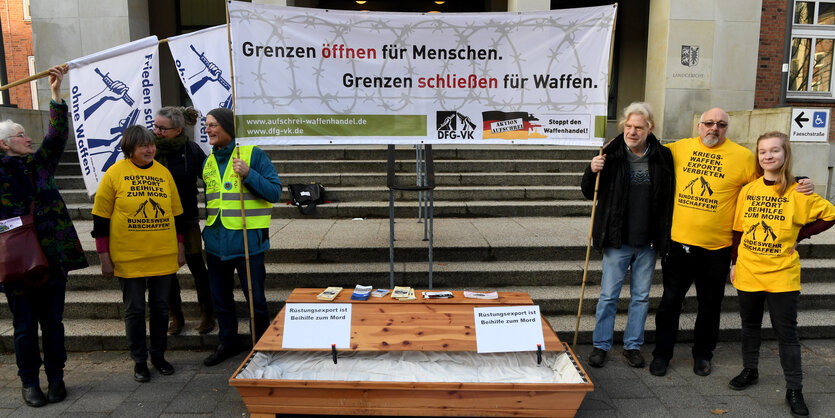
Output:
x=710 y=170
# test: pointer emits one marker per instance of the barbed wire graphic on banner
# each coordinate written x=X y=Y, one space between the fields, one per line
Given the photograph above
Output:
x=560 y=50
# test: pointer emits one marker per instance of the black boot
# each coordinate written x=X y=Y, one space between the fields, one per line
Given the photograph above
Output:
x=222 y=353
x=796 y=403
x=33 y=396
x=56 y=392
x=747 y=377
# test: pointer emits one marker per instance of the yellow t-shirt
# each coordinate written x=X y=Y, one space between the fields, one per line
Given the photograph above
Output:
x=708 y=181
x=770 y=224
x=141 y=205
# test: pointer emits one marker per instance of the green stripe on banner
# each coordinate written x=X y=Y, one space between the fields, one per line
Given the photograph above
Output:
x=251 y=126
x=600 y=126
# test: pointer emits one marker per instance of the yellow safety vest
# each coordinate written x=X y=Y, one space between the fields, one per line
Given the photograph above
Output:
x=223 y=196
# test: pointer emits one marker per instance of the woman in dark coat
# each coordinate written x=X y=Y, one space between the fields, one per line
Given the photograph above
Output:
x=27 y=176
x=184 y=159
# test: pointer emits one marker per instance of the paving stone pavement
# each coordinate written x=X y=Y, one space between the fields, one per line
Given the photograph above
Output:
x=100 y=383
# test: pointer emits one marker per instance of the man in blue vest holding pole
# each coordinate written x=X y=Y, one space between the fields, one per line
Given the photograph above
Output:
x=229 y=171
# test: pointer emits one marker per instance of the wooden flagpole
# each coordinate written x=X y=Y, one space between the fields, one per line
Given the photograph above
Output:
x=241 y=188
x=588 y=253
x=43 y=74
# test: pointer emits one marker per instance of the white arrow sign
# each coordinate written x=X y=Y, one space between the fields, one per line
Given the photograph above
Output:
x=810 y=124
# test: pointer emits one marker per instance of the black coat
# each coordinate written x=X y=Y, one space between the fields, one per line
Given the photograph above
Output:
x=613 y=191
x=186 y=168
x=56 y=233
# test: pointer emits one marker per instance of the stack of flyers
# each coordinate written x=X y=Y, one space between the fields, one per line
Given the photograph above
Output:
x=378 y=293
x=481 y=295
x=329 y=294
x=437 y=295
x=403 y=293
x=361 y=292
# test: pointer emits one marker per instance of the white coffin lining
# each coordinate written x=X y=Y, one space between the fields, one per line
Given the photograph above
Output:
x=413 y=366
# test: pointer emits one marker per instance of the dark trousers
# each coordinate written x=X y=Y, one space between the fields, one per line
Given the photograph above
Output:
x=133 y=296
x=222 y=283
x=681 y=268
x=193 y=242
x=782 y=308
x=201 y=283
x=42 y=305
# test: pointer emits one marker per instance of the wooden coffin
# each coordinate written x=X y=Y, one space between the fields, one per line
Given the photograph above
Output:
x=385 y=324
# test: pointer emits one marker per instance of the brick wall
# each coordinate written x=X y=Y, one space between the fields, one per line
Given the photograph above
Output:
x=17 y=40
x=770 y=61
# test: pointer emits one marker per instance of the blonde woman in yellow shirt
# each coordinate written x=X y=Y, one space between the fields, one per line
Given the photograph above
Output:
x=771 y=218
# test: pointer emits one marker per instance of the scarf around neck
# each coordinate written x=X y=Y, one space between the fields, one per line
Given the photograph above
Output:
x=167 y=147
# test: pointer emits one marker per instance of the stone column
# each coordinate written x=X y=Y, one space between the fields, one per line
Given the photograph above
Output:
x=700 y=55
x=65 y=30
x=528 y=5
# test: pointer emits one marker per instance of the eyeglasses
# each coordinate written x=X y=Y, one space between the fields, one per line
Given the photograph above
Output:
x=162 y=128
x=20 y=135
x=710 y=123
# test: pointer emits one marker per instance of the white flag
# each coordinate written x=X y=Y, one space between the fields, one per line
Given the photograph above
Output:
x=202 y=60
x=111 y=90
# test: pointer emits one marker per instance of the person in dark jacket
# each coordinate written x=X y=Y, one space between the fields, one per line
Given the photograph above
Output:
x=631 y=225
x=232 y=170
x=28 y=176
x=184 y=159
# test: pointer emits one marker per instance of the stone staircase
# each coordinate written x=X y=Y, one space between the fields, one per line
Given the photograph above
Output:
x=506 y=218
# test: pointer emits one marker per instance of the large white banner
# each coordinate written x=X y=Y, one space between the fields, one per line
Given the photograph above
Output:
x=109 y=91
x=309 y=76
x=202 y=60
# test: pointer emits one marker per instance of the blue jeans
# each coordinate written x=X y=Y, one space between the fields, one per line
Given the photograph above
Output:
x=42 y=305
x=133 y=296
x=222 y=283
x=616 y=261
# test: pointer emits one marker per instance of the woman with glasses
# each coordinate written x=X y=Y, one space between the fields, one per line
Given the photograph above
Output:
x=27 y=184
x=184 y=159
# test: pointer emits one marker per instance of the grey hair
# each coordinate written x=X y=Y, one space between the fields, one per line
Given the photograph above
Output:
x=9 y=128
x=179 y=116
x=637 y=108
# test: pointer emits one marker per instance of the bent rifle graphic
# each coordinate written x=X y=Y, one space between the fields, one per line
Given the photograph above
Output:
x=769 y=231
x=141 y=209
x=209 y=66
x=116 y=87
x=705 y=187
x=157 y=208
x=753 y=231
x=118 y=130
x=690 y=185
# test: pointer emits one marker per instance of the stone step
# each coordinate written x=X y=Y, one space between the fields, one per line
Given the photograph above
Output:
x=530 y=240
x=452 y=274
x=109 y=334
x=286 y=167
x=442 y=193
x=525 y=239
x=378 y=179
x=552 y=300
x=442 y=209
x=811 y=324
